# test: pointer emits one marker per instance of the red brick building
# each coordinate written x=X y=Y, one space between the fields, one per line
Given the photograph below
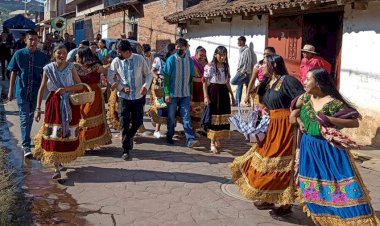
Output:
x=144 y=20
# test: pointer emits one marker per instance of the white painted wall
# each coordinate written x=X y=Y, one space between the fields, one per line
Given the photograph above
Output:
x=360 y=69
x=226 y=34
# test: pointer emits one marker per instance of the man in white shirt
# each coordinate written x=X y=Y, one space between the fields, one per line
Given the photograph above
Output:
x=134 y=78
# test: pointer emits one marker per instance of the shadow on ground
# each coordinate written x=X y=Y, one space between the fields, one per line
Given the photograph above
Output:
x=93 y=174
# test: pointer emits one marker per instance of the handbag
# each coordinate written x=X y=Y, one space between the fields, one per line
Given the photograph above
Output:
x=84 y=97
x=206 y=118
x=158 y=88
x=251 y=124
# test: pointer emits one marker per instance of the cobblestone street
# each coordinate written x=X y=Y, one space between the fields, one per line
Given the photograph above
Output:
x=163 y=185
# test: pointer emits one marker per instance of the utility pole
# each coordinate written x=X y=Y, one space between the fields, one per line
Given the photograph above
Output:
x=25 y=2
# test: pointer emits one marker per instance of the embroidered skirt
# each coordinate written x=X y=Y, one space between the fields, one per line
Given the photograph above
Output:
x=220 y=108
x=112 y=113
x=50 y=146
x=197 y=103
x=94 y=129
x=265 y=173
x=331 y=188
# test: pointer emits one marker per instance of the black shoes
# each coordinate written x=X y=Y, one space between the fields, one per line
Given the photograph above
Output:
x=169 y=140
x=126 y=156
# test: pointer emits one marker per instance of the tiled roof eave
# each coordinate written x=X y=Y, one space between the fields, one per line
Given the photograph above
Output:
x=254 y=8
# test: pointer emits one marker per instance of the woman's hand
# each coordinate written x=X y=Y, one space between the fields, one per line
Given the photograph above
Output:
x=301 y=125
x=37 y=115
x=61 y=91
x=206 y=101
x=114 y=86
x=293 y=116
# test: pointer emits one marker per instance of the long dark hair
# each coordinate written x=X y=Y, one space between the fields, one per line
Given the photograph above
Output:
x=221 y=50
x=86 y=57
x=327 y=86
x=168 y=51
x=276 y=64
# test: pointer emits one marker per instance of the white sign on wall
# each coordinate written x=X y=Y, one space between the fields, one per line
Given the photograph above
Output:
x=104 y=30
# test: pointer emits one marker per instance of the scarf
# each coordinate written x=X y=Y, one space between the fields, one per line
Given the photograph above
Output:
x=198 y=66
x=65 y=107
x=333 y=135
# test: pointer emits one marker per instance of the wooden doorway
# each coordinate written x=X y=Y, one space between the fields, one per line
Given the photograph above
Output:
x=324 y=31
x=287 y=34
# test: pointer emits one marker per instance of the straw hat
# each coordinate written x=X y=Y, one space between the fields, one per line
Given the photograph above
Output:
x=308 y=48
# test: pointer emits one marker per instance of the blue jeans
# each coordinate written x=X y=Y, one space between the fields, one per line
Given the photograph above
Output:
x=26 y=113
x=240 y=80
x=183 y=103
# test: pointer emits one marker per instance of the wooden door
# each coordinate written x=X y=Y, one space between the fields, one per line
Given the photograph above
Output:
x=285 y=35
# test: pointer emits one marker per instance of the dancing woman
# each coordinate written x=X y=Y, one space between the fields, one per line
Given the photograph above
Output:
x=58 y=139
x=331 y=188
x=265 y=172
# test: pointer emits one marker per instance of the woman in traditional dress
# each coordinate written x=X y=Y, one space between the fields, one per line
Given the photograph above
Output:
x=94 y=129
x=331 y=188
x=265 y=172
x=217 y=91
x=200 y=61
x=158 y=109
x=103 y=53
x=58 y=140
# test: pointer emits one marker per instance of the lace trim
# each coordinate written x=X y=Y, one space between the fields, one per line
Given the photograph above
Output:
x=266 y=165
x=48 y=157
x=218 y=135
x=282 y=197
x=220 y=119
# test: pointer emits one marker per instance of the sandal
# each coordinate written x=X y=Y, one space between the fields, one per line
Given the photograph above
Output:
x=56 y=175
x=260 y=205
x=214 y=149
x=281 y=211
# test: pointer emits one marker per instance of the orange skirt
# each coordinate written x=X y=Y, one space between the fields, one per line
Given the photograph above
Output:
x=93 y=125
x=265 y=173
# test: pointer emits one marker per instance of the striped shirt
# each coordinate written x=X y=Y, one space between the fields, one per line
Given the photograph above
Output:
x=178 y=76
x=245 y=64
x=133 y=73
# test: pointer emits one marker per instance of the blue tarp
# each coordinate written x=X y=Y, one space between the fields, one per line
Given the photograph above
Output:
x=19 y=22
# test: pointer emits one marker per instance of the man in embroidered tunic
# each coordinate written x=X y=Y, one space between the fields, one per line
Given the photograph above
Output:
x=26 y=71
x=178 y=84
x=134 y=78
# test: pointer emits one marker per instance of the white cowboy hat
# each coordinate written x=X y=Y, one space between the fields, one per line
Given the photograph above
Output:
x=308 y=48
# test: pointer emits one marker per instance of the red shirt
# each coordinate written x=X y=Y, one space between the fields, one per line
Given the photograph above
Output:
x=315 y=62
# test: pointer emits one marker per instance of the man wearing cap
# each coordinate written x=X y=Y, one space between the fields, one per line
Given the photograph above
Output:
x=310 y=61
x=178 y=87
x=244 y=70
x=134 y=78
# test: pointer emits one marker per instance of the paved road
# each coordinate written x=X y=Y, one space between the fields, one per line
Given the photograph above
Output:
x=163 y=185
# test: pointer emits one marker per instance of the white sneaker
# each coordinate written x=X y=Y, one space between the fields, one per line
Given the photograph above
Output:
x=157 y=134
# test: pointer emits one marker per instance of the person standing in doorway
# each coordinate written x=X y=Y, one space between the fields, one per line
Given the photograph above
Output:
x=26 y=71
x=244 y=70
x=311 y=61
x=178 y=84
x=134 y=78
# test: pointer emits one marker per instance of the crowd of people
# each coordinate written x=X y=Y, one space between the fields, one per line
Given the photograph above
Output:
x=321 y=174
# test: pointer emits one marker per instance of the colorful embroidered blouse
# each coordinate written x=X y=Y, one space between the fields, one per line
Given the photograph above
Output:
x=307 y=114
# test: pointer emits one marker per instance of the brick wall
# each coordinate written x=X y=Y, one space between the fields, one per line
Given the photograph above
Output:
x=152 y=28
